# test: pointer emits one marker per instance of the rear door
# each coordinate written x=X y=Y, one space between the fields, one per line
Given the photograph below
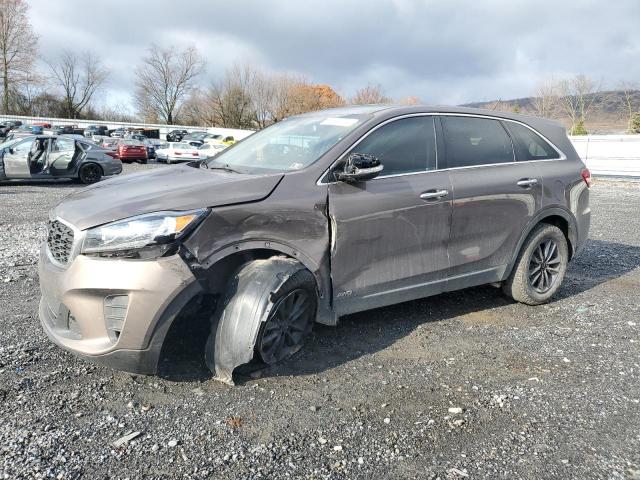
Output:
x=494 y=198
x=17 y=158
x=390 y=234
x=61 y=155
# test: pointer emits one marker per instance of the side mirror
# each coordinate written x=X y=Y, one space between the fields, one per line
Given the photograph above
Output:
x=11 y=151
x=359 y=168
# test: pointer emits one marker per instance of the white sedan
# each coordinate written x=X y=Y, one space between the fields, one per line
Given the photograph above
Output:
x=209 y=150
x=177 y=152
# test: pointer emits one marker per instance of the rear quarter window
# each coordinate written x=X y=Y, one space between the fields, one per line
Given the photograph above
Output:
x=529 y=145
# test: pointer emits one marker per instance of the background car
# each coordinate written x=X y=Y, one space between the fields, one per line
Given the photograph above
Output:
x=209 y=150
x=34 y=129
x=93 y=130
x=129 y=150
x=176 y=135
x=229 y=140
x=177 y=152
x=151 y=149
x=117 y=133
x=52 y=156
x=109 y=143
x=62 y=129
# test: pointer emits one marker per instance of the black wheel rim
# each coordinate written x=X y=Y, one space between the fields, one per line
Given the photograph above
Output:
x=284 y=331
x=90 y=173
x=544 y=266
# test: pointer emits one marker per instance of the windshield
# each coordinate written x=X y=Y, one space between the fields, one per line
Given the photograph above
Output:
x=292 y=144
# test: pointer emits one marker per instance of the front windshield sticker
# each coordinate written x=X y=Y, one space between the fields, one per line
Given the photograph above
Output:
x=339 y=122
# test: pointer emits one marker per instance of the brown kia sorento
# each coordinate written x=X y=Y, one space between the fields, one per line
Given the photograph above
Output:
x=315 y=217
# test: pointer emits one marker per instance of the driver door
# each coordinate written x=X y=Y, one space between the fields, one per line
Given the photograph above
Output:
x=390 y=234
x=17 y=159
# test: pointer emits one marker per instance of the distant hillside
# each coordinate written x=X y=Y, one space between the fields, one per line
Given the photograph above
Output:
x=609 y=115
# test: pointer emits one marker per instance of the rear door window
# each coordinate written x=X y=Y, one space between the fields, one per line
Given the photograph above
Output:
x=407 y=145
x=471 y=142
x=529 y=145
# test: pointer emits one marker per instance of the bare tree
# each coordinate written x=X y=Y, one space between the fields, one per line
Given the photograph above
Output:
x=17 y=45
x=165 y=79
x=632 y=105
x=262 y=94
x=577 y=99
x=369 y=95
x=231 y=99
x=79 y=78
x=545 y=101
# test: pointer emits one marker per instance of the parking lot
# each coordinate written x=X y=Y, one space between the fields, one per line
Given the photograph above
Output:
x=462 y=385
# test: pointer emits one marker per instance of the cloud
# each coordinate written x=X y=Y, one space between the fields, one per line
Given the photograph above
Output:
x=442 y=52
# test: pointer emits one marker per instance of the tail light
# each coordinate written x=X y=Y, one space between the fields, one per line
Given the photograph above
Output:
x=112 y=154
x=178 y=153
x=586 y=176
x=195 y=154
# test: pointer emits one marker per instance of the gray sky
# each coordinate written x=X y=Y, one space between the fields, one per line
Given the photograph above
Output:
x=446 y=52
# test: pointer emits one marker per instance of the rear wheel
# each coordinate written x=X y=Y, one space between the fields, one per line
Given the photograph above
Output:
x=90 y=173
x=540 y=267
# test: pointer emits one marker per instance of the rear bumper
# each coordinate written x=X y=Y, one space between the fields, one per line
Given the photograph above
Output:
x=112 y=167
x=113 y=312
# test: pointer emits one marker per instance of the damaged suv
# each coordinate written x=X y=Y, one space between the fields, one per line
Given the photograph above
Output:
x=318 y=216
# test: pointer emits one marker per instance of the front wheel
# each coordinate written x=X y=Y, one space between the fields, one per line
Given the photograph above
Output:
x=540 y=266
x=90 y=173
x=266 y=315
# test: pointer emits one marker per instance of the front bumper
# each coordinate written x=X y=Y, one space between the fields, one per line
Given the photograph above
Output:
x=113 y=311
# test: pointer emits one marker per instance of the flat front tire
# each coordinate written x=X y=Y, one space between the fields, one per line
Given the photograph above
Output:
x=266 y=315
x=540 y=267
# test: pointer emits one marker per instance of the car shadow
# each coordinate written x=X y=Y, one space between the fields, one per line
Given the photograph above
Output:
x=57 y=183
x=368 y=332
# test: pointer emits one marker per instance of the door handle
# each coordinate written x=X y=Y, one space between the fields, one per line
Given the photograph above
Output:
x=434 y=194
x=527 y=182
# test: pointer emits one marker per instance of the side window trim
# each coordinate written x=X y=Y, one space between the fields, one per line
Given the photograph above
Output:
x=440 y=146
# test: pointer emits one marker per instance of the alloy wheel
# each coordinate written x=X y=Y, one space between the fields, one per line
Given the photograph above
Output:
x=286 y=327
x=90 y=173
x=544 y=266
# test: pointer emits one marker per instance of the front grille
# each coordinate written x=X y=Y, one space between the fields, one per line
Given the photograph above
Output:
x=59 y=240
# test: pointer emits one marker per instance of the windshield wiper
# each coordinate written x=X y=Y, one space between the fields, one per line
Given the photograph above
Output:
x=226 y=168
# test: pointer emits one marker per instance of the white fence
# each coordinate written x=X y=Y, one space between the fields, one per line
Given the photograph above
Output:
x=164 y=129
x=610 y=155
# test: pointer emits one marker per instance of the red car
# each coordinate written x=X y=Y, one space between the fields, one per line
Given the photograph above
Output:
x=42 y=124
x=131 y=151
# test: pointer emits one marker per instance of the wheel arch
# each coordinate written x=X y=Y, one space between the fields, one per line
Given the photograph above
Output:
x=557 y=216
x=242 y=252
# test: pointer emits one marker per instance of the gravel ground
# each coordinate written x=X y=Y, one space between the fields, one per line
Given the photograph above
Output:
x=462 y=385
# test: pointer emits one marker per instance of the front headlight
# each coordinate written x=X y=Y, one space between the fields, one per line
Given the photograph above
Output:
x=138 y=233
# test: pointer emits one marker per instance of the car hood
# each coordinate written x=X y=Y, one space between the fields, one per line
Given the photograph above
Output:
x=174 y=188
